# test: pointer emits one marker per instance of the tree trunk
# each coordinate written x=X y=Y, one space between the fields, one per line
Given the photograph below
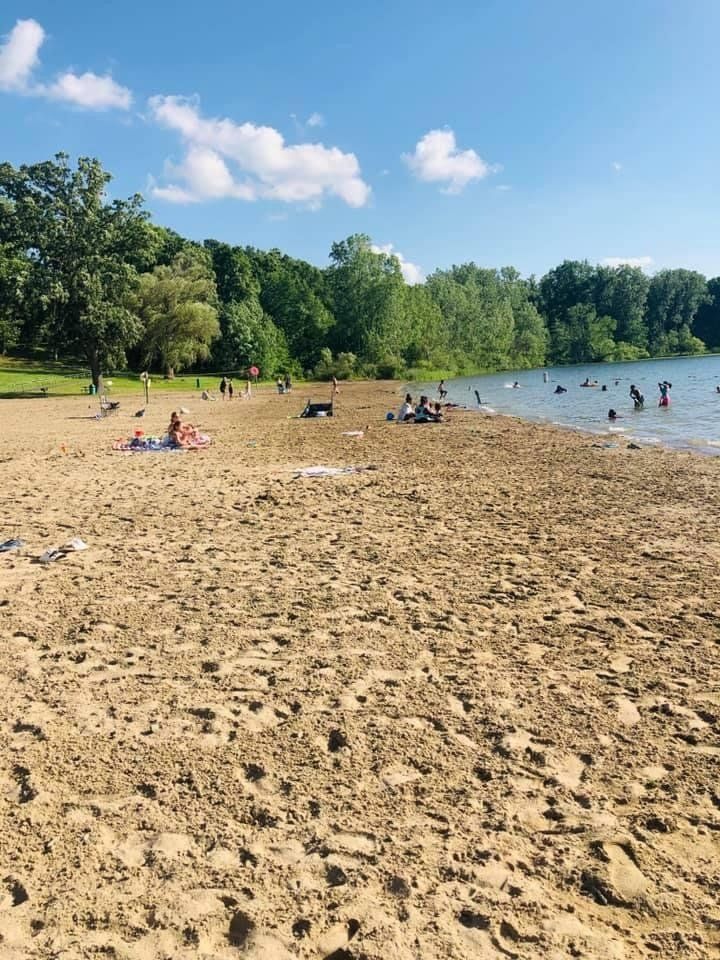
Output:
x=96 y=371
x=170 y=373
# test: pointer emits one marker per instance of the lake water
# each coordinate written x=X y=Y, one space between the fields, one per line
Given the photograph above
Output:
x=692 y=421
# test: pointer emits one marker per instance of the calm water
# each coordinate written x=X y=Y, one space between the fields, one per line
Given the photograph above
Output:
x=691 y=421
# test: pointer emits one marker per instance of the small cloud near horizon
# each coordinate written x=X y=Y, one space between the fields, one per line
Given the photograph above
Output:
x=643 y=262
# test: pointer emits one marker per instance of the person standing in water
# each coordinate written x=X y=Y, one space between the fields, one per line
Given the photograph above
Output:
x=664 y=388
x=637 y=398
x=545 y=376
x=441 y=390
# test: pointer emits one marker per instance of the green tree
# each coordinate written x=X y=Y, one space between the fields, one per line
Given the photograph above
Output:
x=622 y=292
x=707 y=319
x=14 y=270
x=674 y=298
x=84 y=253
x=566 y=286
x=177 y=304
x=367 y=291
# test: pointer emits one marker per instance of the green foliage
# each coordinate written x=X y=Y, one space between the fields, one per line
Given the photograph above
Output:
x=706 y=325
x=85 y=277
x=674 y=297
x=343 y=366
x=176 y=304
x=83 y=256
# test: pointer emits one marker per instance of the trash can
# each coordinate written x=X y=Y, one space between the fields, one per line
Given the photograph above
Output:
x=197 y=382
x=92 y=390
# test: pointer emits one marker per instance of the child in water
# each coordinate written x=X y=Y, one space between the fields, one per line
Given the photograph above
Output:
x=664 y=388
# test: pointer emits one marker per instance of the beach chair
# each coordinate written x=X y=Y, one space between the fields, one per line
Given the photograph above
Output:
x=317 y=409
x=108 y=406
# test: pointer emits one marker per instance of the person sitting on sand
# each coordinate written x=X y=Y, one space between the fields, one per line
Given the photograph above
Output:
x=280 y=385
x=206 y=395
x=181 y=434
x=424 y=413
x=637 y=398
x=407 y=410
x=559 y=389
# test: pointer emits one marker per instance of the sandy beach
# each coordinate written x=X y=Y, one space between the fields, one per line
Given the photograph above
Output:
x=465 y=704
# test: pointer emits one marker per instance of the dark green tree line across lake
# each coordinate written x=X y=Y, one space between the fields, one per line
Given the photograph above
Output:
x=95 y=281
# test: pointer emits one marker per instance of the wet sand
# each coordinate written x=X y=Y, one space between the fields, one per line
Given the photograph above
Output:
x=463 y=705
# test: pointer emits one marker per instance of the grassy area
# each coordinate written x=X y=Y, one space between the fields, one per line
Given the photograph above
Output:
x=27 y=378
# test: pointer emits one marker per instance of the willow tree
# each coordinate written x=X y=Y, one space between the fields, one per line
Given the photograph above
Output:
x=177 y=305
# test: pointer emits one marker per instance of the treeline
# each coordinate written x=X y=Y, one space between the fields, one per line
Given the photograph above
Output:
x=87 y=278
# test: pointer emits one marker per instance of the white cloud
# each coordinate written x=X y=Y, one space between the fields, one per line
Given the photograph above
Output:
x=617 y=167
x=643 y=262
x=90 y=91
x=503 y=187
x=437 y=159
x=266 y=165
x=19 y=54
x=316 y=120
x=411 y=271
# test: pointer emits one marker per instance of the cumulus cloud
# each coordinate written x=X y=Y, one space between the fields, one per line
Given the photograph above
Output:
x=228 y=159
x=20 y=55
x=411 y=271
x=316 y=120
x=436 y=158
x=643 y=262
x=90 y=91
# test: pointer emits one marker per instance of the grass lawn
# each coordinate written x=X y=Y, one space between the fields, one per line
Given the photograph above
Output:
x=34 y=378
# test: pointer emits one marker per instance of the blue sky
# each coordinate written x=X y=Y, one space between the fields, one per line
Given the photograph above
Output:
x=517 y=132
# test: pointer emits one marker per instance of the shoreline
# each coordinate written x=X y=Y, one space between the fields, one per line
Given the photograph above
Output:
x=463 y=704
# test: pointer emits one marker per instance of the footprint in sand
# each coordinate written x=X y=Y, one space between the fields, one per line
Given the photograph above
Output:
x=624 y=875
x=628 y=713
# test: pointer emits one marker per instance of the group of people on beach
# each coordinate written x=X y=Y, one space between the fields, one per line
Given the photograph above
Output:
x=284 y=384
x=424 y=411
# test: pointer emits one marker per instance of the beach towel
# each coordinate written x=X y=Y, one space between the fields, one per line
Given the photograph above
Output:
x=159 y=445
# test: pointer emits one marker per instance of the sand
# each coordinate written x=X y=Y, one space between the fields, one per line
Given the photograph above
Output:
x=466 y=704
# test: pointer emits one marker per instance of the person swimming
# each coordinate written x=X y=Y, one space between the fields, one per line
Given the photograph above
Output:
x=559 y=389
x=515 y=385
x=612 y=415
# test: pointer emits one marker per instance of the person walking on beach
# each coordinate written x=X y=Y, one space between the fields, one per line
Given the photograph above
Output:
x=441 y=390
x=335 y=389
x=288 y=383
x=230 y=388
x=223 y=386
